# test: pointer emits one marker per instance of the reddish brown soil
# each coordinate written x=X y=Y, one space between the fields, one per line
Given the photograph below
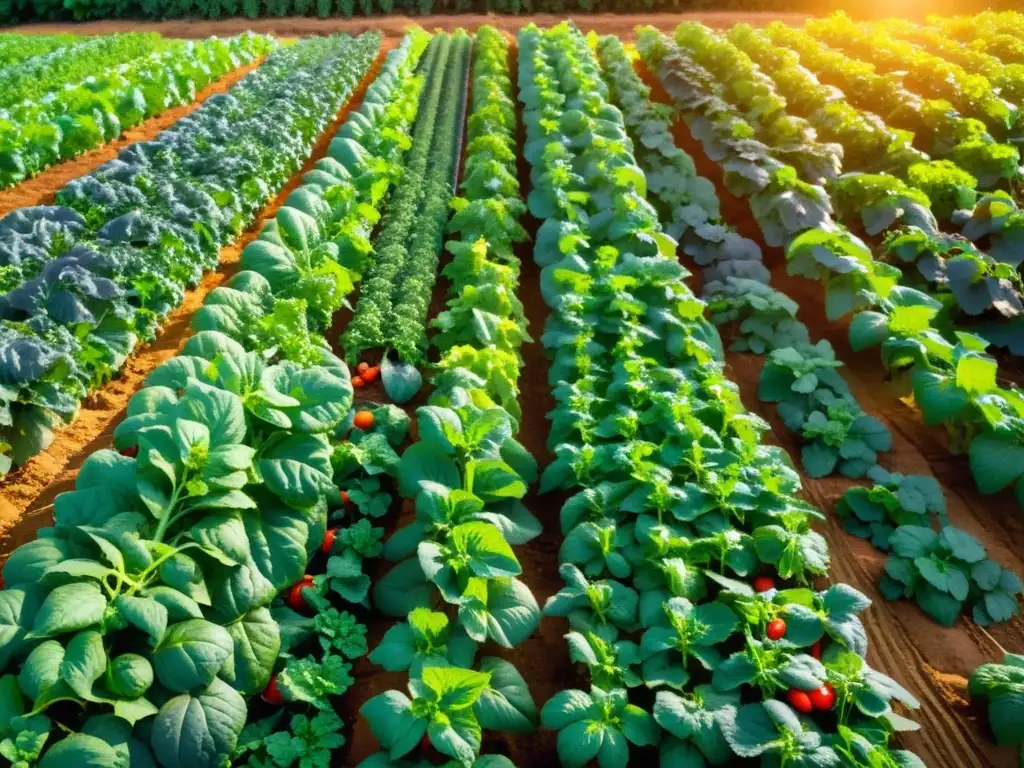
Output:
x=931 y=661
x=27 y=493
x=41 y=189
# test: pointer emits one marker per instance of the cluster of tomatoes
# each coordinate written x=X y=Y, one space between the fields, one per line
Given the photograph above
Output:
x=804 y=702
x=365 y=373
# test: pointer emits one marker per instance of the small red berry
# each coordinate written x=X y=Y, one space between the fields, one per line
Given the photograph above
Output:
x=345 y=498
x=357 y=382
x=799 y=700
x=764 y=583
x=295 y=600
x=328 y=543
x=270 y=694
x=776 y=629
x=131 y=451
x=371 y=373
x=824 y=697
x=816 y=649
x=361 y=368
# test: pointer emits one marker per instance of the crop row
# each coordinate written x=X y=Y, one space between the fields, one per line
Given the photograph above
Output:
x=813 y=399
x=155 y=593
x=676 y=503
x=466 y=475
x=40 y=132
x=391 y=313
x=85 y=279
x=16 y=48
x=33 y=79
x=903 y=323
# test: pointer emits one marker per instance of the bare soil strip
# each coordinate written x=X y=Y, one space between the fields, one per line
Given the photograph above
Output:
x=27 y=493
x=931 y=661
x=40 y=189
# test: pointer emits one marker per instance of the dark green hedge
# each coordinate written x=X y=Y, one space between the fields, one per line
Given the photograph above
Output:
x=15 y=11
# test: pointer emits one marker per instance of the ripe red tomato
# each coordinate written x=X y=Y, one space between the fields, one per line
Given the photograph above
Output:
x=776 y=629
x=328 y=543
x=131 y=451
x=361 y=368
x=799 y=700
x=363 y=420
x=816 y=649
x=295 y=600
x=764 y=583
x=357 y=382
x=371 y=373
x=270 y=694
x=345 y=498
x=824 y=697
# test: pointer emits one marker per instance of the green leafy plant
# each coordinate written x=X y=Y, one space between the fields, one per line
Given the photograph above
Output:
x=947 y=572
x=1001 y=686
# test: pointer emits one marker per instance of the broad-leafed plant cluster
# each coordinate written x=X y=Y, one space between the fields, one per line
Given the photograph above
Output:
x=918 y=294
x=87 y=279
x=87 y=94
x=678 y=515
x=467 y=475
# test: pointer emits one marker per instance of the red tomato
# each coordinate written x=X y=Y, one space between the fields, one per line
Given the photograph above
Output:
x=363 y=420
x=816 y=649
x=295 y=600
x=270 y=694
x=776 y=629
x=824 y=697
x=764 y=583
x=345 y=499
x=371 y=373
x=799 y=700
x=361 y=368
x=131 y=451
x=357 y=382
x=328 y=543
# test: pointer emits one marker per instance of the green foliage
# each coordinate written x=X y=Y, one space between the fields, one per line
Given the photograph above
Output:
x=948 y=572
x=1002 y=687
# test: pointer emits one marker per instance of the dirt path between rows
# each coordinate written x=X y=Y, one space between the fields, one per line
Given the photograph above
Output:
x=931 y=661
x=40 y=189
x=26 y=495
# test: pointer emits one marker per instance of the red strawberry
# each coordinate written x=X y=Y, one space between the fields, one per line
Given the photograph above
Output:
x=764 y=583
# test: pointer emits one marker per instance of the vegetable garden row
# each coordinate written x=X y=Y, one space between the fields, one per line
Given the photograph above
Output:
x=330 y=481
